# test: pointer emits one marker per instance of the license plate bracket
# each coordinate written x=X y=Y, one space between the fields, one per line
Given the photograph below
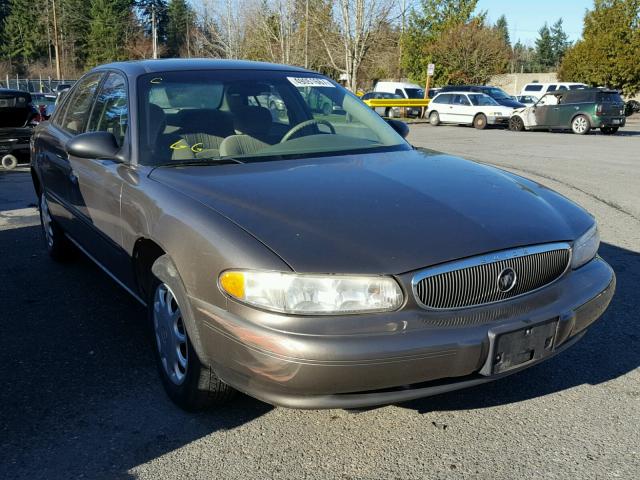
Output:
x=517 y=348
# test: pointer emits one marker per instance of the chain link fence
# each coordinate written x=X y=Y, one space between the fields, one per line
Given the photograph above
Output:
x=41 y=85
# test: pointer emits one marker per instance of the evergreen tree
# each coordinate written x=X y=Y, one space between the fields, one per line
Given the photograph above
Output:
x=108 y=30
x=545 y=55
x=559 y=42
x=178 y=22
x=607 y=54
x=24 y=33
x=74 y=23
x=425 y=27
x=503 y=28
x=145 y=9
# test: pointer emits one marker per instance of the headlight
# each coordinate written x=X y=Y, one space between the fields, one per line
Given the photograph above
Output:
x=585 y=247
x=312 y=294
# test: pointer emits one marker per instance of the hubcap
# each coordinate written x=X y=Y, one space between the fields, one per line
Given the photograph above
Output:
x=47 y=223
x=580 y=124
x=171 y=336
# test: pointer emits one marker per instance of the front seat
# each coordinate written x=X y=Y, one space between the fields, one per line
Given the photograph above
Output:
x=203 y=130
x=253 y=126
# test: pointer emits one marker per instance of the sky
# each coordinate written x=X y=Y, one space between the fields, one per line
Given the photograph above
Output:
x=526 y=17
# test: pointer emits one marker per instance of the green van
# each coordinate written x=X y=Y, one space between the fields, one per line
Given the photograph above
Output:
x=579 y=110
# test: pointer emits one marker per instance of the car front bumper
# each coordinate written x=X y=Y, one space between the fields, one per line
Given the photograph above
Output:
x=497 y=120
x=394 y=357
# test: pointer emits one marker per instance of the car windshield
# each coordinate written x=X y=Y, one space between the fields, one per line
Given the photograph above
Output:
x=414 y=92
x=497 y=93
x=482 y=100
x=253 y=115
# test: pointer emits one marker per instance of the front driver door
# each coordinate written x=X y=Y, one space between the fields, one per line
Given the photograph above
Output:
x=97 y=193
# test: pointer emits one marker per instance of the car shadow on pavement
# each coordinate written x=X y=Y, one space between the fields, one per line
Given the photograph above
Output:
x=81 y=395
x=610 y=349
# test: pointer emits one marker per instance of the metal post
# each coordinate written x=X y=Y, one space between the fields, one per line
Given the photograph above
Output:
x=154 y=31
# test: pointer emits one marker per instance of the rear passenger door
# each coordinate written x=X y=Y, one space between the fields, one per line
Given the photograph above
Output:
x=96 y=195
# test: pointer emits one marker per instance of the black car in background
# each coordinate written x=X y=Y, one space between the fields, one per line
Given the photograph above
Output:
x=496 y=93
x=16 y=116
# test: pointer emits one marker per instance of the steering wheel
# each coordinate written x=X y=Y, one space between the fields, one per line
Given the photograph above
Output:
x=301 y=126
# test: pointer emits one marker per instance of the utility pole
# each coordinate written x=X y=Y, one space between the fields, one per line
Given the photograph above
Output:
x=188 y=34
x=56 y=47
x=306 y=34
x=154 y=32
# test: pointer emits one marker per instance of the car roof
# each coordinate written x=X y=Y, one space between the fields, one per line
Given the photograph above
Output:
x=582 y=90
x=142 y=67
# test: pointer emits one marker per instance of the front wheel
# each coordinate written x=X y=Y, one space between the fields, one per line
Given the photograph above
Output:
x=191 y=384
x=434 y=119
x=608 y=130
x=480 y=122
x=516 y=124
x=580 y=125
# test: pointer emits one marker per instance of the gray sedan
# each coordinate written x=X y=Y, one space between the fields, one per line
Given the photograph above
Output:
x=308 y=261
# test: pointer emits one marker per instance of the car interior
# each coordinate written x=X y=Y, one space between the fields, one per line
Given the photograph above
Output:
x=231 y=119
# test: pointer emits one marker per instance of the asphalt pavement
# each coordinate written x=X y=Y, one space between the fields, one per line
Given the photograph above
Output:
x=81 y=397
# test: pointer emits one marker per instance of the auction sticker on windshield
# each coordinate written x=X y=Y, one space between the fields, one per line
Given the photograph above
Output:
x=310 y=82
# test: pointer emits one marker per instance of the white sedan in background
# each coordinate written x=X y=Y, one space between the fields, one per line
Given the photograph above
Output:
x=467 y=108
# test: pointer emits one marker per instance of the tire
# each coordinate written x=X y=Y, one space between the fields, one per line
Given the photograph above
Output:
x=580 y=125
x=9 y=162
x=326 y=109
x=434 y=119
x=516 y=124
x=480 y=121
x=191 y=384
x=58 y=245
x=608 y=130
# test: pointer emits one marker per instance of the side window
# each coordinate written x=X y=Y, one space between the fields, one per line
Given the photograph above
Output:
x=78 y=106
x=562 y=87
x=552 y=88
x=399 y=92
x=461 y=100
x=446 y=98
x=111 y=112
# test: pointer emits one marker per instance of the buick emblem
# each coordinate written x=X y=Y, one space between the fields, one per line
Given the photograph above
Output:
x=507 y=280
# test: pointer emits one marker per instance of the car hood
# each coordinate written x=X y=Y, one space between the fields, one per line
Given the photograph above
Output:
x=507 y=102
x=379 y=213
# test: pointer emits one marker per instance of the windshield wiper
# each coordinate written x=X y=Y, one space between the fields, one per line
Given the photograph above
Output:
x=202 y=162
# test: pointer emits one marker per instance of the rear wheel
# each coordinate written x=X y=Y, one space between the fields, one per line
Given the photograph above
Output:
x=608 y=130
x=191 y=384
x=480 y=121
x=580 y=125
x=516 y=124
x=434 y=119
x=58 y=245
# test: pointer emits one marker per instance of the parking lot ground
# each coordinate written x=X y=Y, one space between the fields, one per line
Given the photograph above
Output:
x=81 y=398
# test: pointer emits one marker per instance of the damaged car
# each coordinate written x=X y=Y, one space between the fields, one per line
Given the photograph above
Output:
x=579 y=110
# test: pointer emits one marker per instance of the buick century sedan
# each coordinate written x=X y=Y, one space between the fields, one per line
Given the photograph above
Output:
x=308 y=260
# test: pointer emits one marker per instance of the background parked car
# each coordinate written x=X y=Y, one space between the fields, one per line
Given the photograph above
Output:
x=579 y=110
x=16 y=116
x=496 y=93
x=390 y=112
x=526 y=100
x=467 y=108
x=631 y=107
x=539 y=89
x=46 y=104
x=404 y=89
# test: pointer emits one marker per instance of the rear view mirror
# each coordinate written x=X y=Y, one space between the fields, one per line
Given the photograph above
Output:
x=99 y=145
x=401 y=128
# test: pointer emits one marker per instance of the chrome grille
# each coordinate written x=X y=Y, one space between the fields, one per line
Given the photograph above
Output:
x=474 y=281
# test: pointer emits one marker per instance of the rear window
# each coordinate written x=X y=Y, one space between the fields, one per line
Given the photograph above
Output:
x=609 y=97
x=533 y=88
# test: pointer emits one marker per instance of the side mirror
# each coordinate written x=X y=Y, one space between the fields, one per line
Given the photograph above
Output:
x=102 y=145
x=400 y=127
